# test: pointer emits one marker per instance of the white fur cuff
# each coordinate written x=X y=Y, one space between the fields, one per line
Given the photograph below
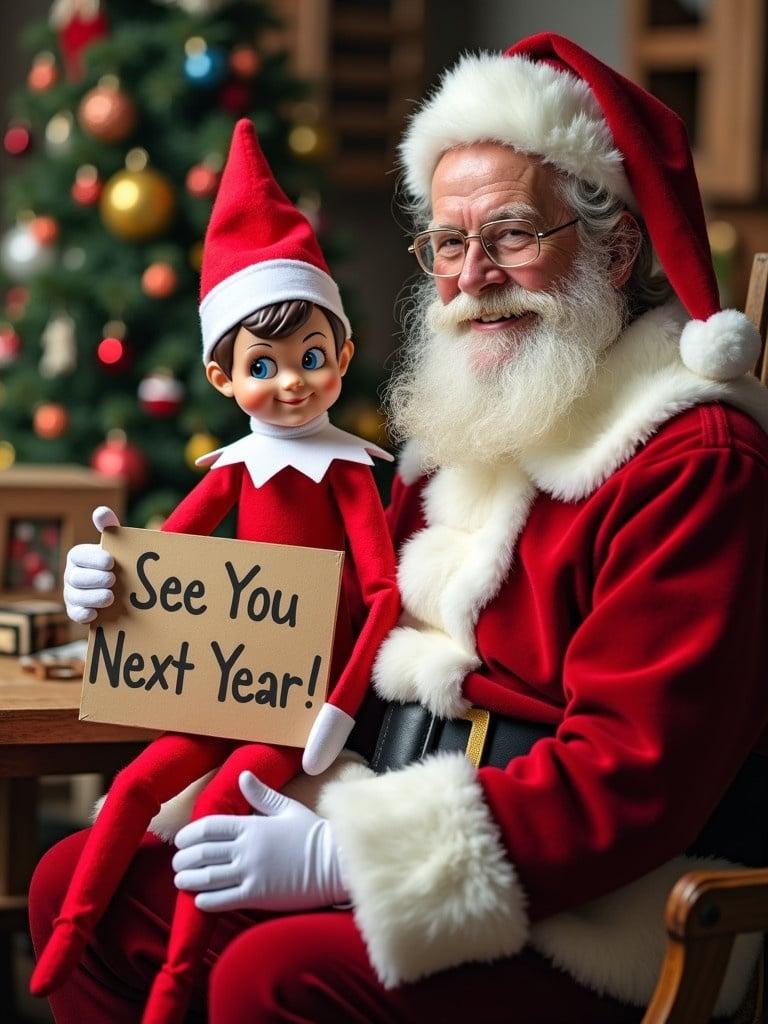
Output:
x=428 y=874
x=425 y=666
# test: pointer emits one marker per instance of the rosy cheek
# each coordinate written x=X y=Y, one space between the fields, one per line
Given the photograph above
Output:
x=253 y=396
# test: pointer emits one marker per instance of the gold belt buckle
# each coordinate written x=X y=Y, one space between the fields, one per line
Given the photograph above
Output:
x=479 y=720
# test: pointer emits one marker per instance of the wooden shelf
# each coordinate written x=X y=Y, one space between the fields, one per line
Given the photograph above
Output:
x=713 y=74
x=367 y=64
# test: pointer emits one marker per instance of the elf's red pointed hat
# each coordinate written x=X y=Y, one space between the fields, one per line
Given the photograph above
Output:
x=258 y=248
x=547 y=96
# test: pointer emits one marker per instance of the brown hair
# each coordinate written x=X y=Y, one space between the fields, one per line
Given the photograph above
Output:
x=275 y=321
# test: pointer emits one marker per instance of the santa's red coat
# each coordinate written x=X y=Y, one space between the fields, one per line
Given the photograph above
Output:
x=612 y=583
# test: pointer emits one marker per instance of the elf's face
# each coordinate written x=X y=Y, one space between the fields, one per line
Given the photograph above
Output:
x=286 y=381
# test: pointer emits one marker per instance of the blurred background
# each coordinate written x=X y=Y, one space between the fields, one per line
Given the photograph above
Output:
x=116 y=122
x=115 y=119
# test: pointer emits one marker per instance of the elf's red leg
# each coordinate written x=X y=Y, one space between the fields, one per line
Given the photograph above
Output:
x=168 y=765
x=191 y=928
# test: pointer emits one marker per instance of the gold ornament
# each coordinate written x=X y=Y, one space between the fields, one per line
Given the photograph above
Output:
x=197 y=445
x=196 y=256
x=7 y=454
x=137 y=203
x=106 y=112
x=309 y=141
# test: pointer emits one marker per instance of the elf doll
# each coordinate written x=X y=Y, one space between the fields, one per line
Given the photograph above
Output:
x=276 y=340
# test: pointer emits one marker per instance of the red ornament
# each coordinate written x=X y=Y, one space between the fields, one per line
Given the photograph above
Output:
x=43 y=73
x=50 y=420
x=45 y=229
x=17 y=139
x=161 y=394
x=159 y=280
x=10 y=345
x=202 y=181
x=86 y=188
x=114 y=354
x=117 y=457
x=235 y=97
x=245 y=62
x=16 y=299
x=33 y=562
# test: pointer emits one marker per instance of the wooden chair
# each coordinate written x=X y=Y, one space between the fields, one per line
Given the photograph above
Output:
x=706 y=910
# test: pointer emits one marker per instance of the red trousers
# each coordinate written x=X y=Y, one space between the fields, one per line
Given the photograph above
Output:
x=308 y=968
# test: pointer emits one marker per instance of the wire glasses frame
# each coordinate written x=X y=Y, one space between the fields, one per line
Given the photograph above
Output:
x=511 y=242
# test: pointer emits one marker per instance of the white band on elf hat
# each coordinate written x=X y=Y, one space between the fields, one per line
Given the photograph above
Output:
x=262 y=284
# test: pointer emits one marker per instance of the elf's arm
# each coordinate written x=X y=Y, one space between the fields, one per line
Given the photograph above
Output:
x=207 y=503
x=374 y=559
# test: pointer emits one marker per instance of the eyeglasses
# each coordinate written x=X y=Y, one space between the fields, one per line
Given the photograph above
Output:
x=509 y=243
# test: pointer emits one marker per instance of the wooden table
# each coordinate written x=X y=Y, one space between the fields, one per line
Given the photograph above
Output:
x=40 y=735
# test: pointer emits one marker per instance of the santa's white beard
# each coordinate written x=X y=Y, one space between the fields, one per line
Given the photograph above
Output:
x=467 y=395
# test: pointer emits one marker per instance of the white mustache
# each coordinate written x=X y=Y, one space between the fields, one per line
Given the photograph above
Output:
x=510 y=301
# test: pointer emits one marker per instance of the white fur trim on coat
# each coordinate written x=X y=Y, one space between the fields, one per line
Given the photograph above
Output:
x=429 y=877
x=447 y=573
x=641 y=383
x=615 y=945
x=523 y=103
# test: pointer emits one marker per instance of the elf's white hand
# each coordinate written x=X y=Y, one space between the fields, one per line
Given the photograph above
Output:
x=88 y=581
x=283 y=858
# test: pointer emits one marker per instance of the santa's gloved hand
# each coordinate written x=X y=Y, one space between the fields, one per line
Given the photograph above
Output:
x=88 y=580
x=283 y=858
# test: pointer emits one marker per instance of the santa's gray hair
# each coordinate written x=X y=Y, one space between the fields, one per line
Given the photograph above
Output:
x=599 y=214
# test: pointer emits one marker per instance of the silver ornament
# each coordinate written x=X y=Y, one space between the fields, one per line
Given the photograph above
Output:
x=22 y=256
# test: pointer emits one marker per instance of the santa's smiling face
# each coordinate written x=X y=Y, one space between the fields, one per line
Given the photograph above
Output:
x=494 y=358
x=475 y=185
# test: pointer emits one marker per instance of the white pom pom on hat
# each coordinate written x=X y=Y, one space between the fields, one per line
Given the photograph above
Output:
x=547 y=96
x=723 y=347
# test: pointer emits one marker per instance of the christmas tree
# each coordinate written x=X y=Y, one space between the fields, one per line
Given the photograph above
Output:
x=121 y=133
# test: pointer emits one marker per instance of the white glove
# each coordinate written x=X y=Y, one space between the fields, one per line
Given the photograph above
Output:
x=283 y=858
x=88 y=581
x=329 y=732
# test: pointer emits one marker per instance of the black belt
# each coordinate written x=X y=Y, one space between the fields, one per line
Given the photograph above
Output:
x=737 y=830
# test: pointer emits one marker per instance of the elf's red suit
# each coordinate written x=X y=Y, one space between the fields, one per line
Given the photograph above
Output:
x=343 y=509
x=294 y=481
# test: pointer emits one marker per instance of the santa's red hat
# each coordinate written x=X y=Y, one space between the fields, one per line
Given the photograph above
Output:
x=549 y=97
x=258 y=248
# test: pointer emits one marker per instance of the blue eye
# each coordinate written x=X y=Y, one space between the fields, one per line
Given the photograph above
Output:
x=263 y=368
x=313 y=359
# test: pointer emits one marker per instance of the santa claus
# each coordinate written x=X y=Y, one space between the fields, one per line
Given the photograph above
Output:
x=574 y=700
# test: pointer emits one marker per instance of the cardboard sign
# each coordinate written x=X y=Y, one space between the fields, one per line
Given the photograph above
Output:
x=219 y=637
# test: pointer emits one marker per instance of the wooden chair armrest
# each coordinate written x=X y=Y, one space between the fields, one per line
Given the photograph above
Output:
x=705 y=911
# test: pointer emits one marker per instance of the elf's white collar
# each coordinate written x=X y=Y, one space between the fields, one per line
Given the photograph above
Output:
x=310 y=449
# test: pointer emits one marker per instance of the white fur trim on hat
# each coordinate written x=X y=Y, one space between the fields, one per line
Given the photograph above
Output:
x=526 y=104
x=723 y=347
x=262 y=284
